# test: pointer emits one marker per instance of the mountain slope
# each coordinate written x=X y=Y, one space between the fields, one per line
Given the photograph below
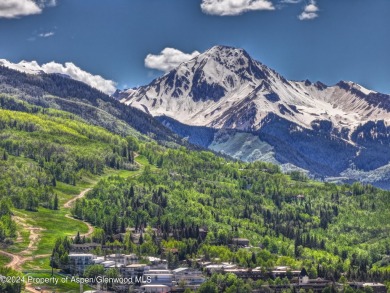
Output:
x=97 y=108
x=203 y=200
x=323 y=129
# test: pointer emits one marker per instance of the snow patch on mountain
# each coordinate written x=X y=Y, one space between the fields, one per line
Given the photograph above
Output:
x=243 y=146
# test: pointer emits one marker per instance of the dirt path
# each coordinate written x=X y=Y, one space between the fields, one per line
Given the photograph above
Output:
x=17 y=260
x=70 y=202
x=34 y=235
x=14 y=258
x=90 y=227
x=137 y=163
x=69 y=205
x=30 y=288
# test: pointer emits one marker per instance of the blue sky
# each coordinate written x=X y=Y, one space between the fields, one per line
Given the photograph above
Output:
x=326 y=40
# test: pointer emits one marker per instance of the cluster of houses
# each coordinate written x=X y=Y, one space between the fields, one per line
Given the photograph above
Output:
x=152 y=277
x=156 y=277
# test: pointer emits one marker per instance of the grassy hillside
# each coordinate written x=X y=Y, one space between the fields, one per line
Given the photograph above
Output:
x=45 y=153
x=95 y=107
x=48 y=156
x=63 y=147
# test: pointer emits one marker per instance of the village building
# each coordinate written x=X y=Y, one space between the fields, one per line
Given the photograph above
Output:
x=84 y=248
x=376 y=287
x=78 y=262
x=133 y=270
x=240 y=242
x=155 y=289
x=188 y=276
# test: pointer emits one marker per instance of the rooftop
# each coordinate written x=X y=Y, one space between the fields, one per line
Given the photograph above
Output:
x=137 y=265
x=85 y=245
x=158 y=271
x=373 y=284
x=81 y=254
x=154 y=286
x=179 y=270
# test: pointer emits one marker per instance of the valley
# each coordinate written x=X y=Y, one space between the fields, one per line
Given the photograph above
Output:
x=68 y=181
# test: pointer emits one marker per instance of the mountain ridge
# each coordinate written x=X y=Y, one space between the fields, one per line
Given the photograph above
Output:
x=94 y=106
x=213 y=82
x=225 y=89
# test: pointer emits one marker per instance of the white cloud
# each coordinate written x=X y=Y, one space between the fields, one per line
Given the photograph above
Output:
x=310 y=11
x=168 y=59
x=18 y=8
x=46 y=35
x=234 y=7
x=50 y=3
x=291 y=1
x=68 y=69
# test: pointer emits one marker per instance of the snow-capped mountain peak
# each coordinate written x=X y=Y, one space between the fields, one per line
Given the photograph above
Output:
x=251 y=112
x=225 y=88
